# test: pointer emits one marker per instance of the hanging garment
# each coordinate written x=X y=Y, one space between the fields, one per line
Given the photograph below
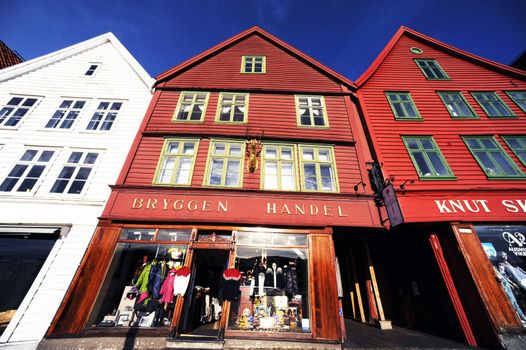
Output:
x=291 y=280
x=181 y=279
x=167 y=290
x=280 y=279
x=269 y=278
x=261 y=283
x=142 y=281
x=232 y=278
x=154 y=280
x=217 y=309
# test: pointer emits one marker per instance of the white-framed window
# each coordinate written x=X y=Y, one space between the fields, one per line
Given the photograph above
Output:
x=93 y=67
x=16 y=108
x=191 y=106
x=104 y=116
x=311 y=111
x=27 y=172
x=75 y=173
x=279 y=167
x=66 y=114
x=225 y=164
x=232 y=107
x=253 y=64
x=318 y=169
x=176 y=163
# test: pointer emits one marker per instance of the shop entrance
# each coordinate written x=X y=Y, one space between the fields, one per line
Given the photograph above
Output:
x=203 y=305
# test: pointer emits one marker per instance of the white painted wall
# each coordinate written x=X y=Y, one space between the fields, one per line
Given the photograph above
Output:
x=115 y=79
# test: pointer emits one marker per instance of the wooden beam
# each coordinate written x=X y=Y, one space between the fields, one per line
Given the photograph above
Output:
x=357 y=287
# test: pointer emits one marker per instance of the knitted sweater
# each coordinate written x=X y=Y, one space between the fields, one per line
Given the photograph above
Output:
x=181 y=280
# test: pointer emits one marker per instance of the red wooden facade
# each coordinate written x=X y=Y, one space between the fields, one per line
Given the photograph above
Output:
x=135 y=199
x=470 y=196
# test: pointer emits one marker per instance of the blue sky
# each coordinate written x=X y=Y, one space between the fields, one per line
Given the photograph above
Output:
x=344 y=35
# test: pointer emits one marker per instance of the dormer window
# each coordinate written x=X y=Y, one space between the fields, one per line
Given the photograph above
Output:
x=91 y=70
x=253 y=64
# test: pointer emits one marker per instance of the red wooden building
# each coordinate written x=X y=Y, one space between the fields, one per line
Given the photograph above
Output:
x=252 y=156
x=449 y=131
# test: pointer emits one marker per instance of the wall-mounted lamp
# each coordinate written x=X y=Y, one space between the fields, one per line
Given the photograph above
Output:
x=402 y=186
x=358 y=184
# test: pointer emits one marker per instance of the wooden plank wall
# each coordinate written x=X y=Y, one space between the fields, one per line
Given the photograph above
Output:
x=325 y=321
x=399 y=72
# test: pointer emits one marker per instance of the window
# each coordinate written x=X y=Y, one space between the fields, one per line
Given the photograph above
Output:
x=191 y=107
x=177 y=162
x=253 y=64
x=104 y=116
x=492 y=158
x=232 y=107
x=279 y=167
x=318 y=170
x=75 y=173
x=519 y=97
x=26 y=173
x=456 y=104
x=431 y=69
x=518 y=145
x=16 y=109
x=310 y=111
x=492 y=104
x=66 y=114
x=402 y=105
x=91 y=70
x=427 y=158
x=225 y=164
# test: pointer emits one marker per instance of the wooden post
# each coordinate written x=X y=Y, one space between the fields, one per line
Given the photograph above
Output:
x=384 y=324
x=357 y=287
x=352 y=304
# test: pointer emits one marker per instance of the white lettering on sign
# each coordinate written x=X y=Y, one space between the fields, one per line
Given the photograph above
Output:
x=478 y=206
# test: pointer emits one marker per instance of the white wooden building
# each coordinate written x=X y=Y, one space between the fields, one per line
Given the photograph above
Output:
x=67 y=121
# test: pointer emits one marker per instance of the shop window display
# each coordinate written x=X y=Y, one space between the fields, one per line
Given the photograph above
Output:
x=505 y=247
x=274 y=285
x=144 y=278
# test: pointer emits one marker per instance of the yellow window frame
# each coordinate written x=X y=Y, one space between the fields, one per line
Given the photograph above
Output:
x=317 y=162
x=232 y=109
x=279 y=161
x=253 y=58
x=178 y=156
x=310 y=106
x=225 y=157
x=194 y=98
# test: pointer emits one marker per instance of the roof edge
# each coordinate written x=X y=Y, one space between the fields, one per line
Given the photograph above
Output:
x=44 y=60
x=437 y=43
x=266 y=35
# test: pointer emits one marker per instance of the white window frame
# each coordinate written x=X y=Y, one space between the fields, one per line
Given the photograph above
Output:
x=15 y=108
x=318 y=163
x=104 y=117
x=176 y=157
x=224 y=168
x=67 y=111
x=279 y=161
x=77 y=166
x=95 y=71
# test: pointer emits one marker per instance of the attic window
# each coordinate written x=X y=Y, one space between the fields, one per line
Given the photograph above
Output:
x=416 y=50
x=253 y=64
x=91 y=70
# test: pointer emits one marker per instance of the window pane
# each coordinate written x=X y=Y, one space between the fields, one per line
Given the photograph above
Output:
x=309 y=171
x=173 y=235
x=216 y=172
x=167 y=169
x=76 y=186
x=29 y=155
x=83 y=173
x=326 y=177
x=232 y=176
x=504 y=163
x=235 y=150
x=59 y=186
x=422 y=164
x=324 y=155
x=270 y=152
x=183 y=174
x=27 y=185
x=75 y=157
x=308 y=154
x=91 y=158
x=437 y=163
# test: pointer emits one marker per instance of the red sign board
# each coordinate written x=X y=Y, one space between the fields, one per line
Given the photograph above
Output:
x=242 y=209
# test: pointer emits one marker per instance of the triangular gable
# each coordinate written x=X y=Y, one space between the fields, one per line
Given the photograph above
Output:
x=39 y=62
x=244 y=36
x=495 y=66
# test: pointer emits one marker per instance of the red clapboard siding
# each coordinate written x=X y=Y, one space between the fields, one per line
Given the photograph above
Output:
x=283 y=71
x=271 y=115
x=142 y=170
x=399 y=72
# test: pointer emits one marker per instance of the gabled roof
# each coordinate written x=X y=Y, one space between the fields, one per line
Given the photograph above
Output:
x=237 y=38
x=8 y=57
x=499 y=67
x=39 y=62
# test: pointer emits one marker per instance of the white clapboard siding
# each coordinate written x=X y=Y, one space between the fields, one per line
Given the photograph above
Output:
x=55 y=77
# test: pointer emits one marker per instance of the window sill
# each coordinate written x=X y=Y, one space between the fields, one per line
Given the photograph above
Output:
x=188 y=121
x=439 y=178
x=419 y=119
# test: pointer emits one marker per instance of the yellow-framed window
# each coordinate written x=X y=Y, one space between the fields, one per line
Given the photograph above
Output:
x=225 y=163
x=311 y=111
x=318 y=169
x=253 y=64
x=176 y=164
x=232 y=108
x=279 y=167
x=191 y=106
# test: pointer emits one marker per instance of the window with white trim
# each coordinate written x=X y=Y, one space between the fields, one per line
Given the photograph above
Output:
x=232 y=108
x=66 y=114
x=225 y=164
x=253 y=64
x=191 y=107
x=177 y=162
x=75 y=173
x=91 y=70
x=279 y=167
x=17 y=107
x=27 y=171
x=318 y=169
x=104 y=116
x=310 y=111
